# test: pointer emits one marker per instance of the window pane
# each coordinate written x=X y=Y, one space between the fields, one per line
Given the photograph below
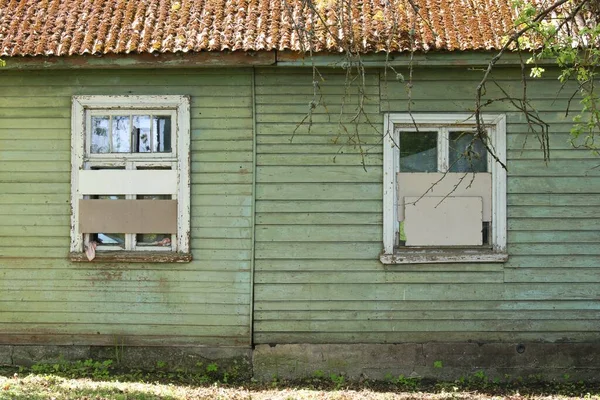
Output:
x=100 y=139
x=161 y=128
x=141 y=133
x=467 y=153
x=121 y=132
x=418 y=152
x=154 y=239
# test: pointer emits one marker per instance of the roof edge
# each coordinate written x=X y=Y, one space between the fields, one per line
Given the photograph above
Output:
x=261 y=58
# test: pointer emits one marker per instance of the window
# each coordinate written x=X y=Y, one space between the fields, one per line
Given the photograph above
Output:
x=444 y=196
x=130 y=179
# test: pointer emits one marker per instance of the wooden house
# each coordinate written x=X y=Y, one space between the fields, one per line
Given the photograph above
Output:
x=242 y=199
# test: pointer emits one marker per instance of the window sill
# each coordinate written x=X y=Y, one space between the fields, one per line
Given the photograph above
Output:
x=134 y=257
x=432 y=256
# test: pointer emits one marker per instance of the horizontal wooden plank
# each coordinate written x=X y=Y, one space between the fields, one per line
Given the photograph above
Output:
x=319 y=191
x=333 y=174
x=221 y=233
x=554 y=212
x=115 y=319
x=553 y=224
x=313 y=233
x=366 y=160
x=558 y=275
x=304 y=206
x=154 y=309
x=242 y=176
x=554 y=237
x=100 y=296
x=124 y=182
x=62 y=263
x=426 y=292
x=291 y=277
x=225 y=190
x=221 y=145
x=589 y=184
x=331 y=149
x=416 y=337
x=95 y=339
x=416 y=325
x=34 y=156
x=35 y=220
x=320 y=218
x=173 y=287
x=398 y=305
x=91 y=274
x=367 y=137
x=121 y=329
x=373 y=265
x=553 y=261
x=554 y=199
x=295 y=133
x=317 y=250
x=463 y=316
x=554 y=248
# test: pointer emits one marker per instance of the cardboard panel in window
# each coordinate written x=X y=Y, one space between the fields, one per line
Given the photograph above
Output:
x=128 y=216
x=453 y=184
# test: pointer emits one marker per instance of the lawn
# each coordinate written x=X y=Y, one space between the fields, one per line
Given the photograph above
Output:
x=32 y=386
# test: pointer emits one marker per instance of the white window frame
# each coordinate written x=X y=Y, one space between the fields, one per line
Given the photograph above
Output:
x=178 y=107
x=496 y=127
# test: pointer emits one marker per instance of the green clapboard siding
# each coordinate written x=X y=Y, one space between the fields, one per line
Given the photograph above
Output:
x=318 y=224
x=53 y=301
x=310 y=240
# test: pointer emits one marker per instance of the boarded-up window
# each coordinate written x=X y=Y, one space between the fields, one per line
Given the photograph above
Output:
x=130 y=173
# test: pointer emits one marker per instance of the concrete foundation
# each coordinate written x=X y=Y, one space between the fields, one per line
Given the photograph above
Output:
x=443 y=361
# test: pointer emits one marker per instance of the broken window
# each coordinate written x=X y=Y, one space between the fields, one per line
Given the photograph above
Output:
x=130 y=174
x=442 y=192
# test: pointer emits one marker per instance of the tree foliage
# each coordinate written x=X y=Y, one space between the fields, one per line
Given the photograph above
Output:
x=561 y=33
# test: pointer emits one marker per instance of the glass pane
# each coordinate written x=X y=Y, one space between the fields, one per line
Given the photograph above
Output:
x=100 y=140
x=161 y=128
x=109 y=239
x=121 y=132
x=418 y=152
x=141 y=133
x=154 y=239
x=467 y=153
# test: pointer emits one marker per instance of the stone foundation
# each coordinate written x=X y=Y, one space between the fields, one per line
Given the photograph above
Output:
x=443 y=361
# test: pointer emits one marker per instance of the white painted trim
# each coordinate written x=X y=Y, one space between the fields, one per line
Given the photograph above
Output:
x=175 y=182
x=390 y=211
x=184 y=177
x=497 y=125
x=133 y=182
x=77 y=144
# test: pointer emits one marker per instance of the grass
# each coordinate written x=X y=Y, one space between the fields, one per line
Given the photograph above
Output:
x=98 y=381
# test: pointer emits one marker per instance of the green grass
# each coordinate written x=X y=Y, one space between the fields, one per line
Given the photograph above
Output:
x=91 y=380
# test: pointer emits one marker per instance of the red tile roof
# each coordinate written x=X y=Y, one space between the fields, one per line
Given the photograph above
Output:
x=77 y=27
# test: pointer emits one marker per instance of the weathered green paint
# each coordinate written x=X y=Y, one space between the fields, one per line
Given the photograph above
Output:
x=287 y=222
x=319 y=225
x=53 y=301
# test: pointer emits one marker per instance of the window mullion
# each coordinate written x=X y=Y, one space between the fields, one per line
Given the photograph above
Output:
x=130 y=237
x=443 y=149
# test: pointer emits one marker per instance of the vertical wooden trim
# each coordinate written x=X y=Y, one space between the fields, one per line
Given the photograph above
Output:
x=77 y=150
x=183 y=168
x=443 y=149
x=499 y=178
x=390 y=152
x=253 y=206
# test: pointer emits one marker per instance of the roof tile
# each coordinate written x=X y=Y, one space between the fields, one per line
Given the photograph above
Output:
x=76 y=27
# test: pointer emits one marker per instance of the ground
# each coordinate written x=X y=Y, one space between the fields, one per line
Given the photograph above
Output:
x=98 y=381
